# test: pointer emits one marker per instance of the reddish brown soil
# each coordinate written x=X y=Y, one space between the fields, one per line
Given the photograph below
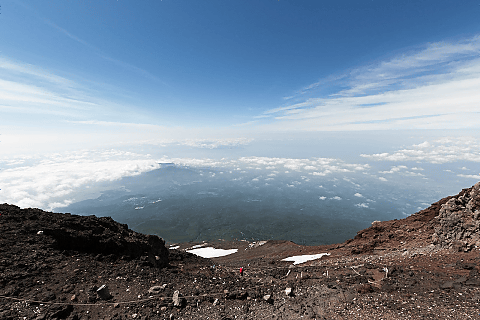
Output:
x=392 y=270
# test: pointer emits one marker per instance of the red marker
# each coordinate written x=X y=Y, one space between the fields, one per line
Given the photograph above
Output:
x=241 y=271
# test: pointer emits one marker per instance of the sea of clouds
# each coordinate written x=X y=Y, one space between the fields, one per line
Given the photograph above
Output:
x=218 y=181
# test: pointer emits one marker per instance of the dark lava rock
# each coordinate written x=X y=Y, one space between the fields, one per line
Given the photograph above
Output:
x=61 y=312
x=365 y=288
x=87 y=234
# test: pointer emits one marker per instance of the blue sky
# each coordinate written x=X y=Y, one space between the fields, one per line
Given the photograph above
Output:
x=220 y=64
x=78 y=75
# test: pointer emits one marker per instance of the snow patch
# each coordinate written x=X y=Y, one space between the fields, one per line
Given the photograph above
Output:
x=211 y=252
x=198 y=246
x=305 y=258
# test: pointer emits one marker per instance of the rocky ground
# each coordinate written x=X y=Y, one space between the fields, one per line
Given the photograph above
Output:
x=55 y=266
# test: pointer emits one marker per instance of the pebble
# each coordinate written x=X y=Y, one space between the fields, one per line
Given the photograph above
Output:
x=103 y=293
x=156 y=289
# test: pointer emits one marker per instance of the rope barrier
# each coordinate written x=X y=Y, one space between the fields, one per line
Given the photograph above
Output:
x=152 y=298
x=123 y=302
x=289 y=268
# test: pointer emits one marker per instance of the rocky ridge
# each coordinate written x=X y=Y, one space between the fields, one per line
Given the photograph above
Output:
x=88 y=234
x=458 y=221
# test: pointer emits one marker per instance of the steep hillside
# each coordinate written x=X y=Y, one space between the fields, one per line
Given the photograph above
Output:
x=62 y=266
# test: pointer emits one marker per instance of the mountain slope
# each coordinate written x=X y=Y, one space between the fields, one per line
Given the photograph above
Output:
x=422 y=267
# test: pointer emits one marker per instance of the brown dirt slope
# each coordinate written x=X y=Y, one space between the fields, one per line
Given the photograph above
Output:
x=421 y=267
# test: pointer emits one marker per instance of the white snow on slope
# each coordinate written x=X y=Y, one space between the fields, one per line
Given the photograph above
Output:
x=211 y=252
x=305 y=258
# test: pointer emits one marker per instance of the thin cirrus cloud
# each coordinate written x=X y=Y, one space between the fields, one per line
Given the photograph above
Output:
x=29 y=89
x=432 y=88
x=100 y=53
x=8 y=65
x=92 y=48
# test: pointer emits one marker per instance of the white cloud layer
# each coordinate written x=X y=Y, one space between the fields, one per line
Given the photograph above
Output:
x=403 y=170
x=215 y=144
x=51 y=182
x=443 y=150
x=470 y=176
x=57 y=180
x=432 y=88
x=362 y=205
x=325 y=165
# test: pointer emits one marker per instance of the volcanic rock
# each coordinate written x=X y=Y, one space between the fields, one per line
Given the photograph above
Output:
x=268 y=298
x=84 y=233
x=458 y=224
x=431 y=258
x=177 y=299
x=288 y=291
x=156 y=289
x=103 y=293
